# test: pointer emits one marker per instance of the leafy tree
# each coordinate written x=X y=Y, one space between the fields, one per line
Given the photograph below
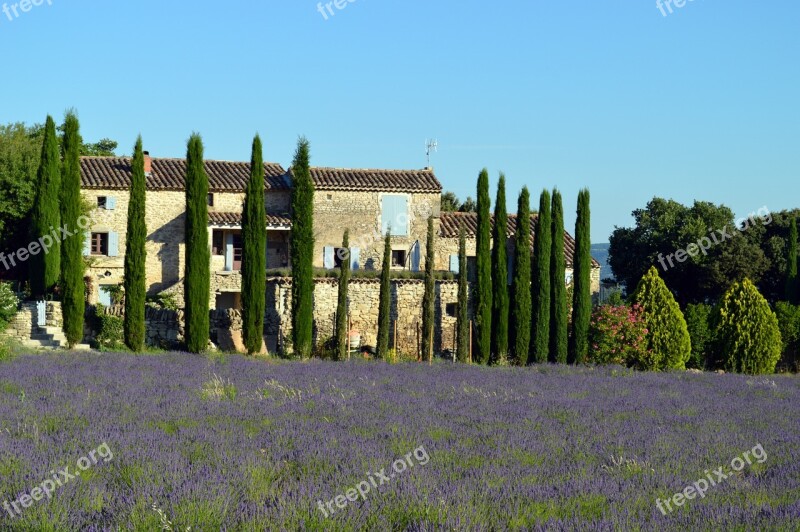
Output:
x=500 y=303
x=45 y=267
x=302 y=250
x=385 y=300
x=135 y=255
x=342 y=334
x=254 y=254
x=462 y=325
x=429 y=297
x=771 y=235
x=697 y=323
x=484 y=259
x=520 y=320
x=747 y=338
x=197 y=278
x=450 y=202
x=558 y=289
x=792 y=293
x=582 y=287
x=103 y=148
x=789 y=325
x=469 y=205
x=20 y=150
x=540 y=287
x=667 y=335
x=72 y=265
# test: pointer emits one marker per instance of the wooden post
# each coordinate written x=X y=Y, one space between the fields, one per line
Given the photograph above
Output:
x=470 y=341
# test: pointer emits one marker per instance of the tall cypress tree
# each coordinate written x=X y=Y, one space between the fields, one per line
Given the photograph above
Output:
x=385 y=301
x=302 y=249
x=540 y=286
x=72 y=265
x=462 y=325
x=254 y=254
x=520 y=321
x=45 y=268
x=558 y=297
x=429 y=298
x=484 y=258
x=135 y=255
x=500 y=301
x=342 y=334
x=197 y=278
x=582 y=278
x=792 y=295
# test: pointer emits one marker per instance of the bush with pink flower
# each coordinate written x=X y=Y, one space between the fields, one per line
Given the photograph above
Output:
x=618 y=335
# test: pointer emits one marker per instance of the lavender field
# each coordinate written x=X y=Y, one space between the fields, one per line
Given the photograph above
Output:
x=231 y=443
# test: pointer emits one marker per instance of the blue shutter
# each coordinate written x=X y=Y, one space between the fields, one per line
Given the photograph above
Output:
x=111 y=203
x=104 y=296
x=387 y=215
x=87 y=244
x=394 y=214
x=113 y=244
x=355 y=255
x=415 y=257
x=454 y=263
x=327 y=258
x=229 y=252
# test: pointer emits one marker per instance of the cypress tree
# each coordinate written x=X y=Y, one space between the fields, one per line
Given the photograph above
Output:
x=135 y=255
x=462 y=326
x=500 y=302
x=72 y=265
x=342 y=334
x=582 y=288
x=540 y=286
x=254 y=258
x=197 y=279
x=429 y=298
x=520 y=320
x=558 y=297
x=484 y=258
x=45 y=269
x=792 y=295
x=302 y=249
x=385 y=302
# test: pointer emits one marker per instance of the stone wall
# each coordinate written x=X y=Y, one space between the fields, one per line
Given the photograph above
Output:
x=21 y=326
x=163 y=328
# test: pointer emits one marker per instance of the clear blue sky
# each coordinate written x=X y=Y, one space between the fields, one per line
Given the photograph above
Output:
x=611 y=95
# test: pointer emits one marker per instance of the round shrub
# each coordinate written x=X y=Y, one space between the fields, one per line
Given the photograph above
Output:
x=8 y=304
x=618 y=335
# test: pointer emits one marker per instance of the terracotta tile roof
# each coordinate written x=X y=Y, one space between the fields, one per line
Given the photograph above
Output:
x=235 y=218
x=169 y=174
x=451 y=224
x=371 y=180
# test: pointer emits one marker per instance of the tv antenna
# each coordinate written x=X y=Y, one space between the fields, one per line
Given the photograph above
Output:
x=431 y=146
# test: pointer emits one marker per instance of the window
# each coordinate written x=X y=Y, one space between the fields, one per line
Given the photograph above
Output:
x=210 y=200
x=399 y=258
x=339 y=256
x=451 y=309
x=99 y=243
x=217 y=242
x=101 y=202
x=394 y=214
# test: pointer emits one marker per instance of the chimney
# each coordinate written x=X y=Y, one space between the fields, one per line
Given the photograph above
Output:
x=148 y=163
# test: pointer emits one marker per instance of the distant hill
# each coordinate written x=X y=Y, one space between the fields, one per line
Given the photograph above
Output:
x=600 y=253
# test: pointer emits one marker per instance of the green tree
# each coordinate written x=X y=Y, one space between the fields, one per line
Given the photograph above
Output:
x=792 y=294
x=582 y=278
x=342 y=334
x=135 y=255
x=540 y=287
x=667 y=334
x=697 y=323
x=558 y=290
x=429 y=297
x=45 y=267
x=500 y=302
x=450 y=202
x=197 y=278
x=462 y=325
x=747 y=338
x=484 y=258
x=385 y=300
x=302 y=249
x=72 y=265
x=254 y=254
x=520 y=320
x=469 y=205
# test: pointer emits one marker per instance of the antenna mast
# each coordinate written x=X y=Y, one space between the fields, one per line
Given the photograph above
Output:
x=430 y=146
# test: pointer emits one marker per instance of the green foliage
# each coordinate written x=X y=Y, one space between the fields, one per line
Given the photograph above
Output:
x=384 y=304
x=163 y=301
x=540 y=285
x=462 y=325
x=136 y=255
x=9 y=304
x=582 y=284
x=615 y=299
x=45 y=267
x=254 y=249
x=747 y=338
x=520 y=318
x=302 y=251
x=792 y=288
x=667 y=335
x=342 y=332
x=102 y=148
x=450 y=202
x=110 y=329
x=500 y=302
x=197 y=280
x=72 y=265
x=429 y=297
x=789 y=324
x=618 y=335
x=697 y=323
x=484 y=299
x=558 y=290
x=20 y=149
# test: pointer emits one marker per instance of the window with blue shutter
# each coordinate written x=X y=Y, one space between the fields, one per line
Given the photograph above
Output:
x=87 y=244
x=111 y=203
x=454 y=263
x=104 y=296
x=229 y=252
x=328 y=261
x=113 y=244
x=415 y=257
x=355 y=256
x=394 y=215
